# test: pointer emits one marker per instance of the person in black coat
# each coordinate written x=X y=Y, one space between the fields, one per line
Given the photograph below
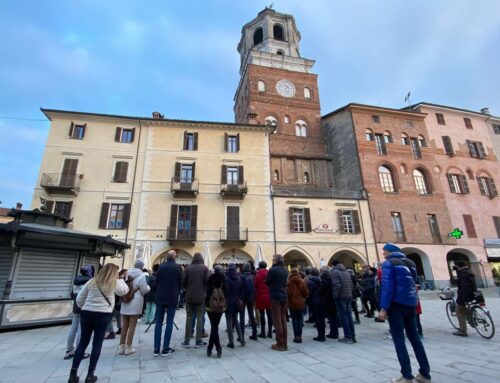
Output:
x=215 y=281
x=466 y=288
x=234 y=304
x=277 y=280
x=328 y=303
x=316 y=304
x=167 y=287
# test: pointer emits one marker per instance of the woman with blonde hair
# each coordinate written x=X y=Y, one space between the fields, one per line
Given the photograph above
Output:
x=96 y=301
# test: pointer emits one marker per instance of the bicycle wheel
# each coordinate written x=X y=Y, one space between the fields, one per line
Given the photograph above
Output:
x=452 y=315
x=482 y=322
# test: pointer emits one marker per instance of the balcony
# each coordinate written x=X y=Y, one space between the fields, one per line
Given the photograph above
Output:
x=232 y=235
x=228 y=190
x=180 y=235
x=184 y=186
x=61 y=183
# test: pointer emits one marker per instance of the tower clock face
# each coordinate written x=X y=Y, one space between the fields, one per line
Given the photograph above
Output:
x=285 y=88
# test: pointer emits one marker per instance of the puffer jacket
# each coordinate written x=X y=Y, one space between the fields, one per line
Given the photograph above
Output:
x=195 y=281
x=398 y=285
x=314 y=286
x=234 y=290
x=466 y=285
x=262 y=297
x=140 y=283
x=297 y=292
x=248 y=287
x=342 y=287
x=276 y=280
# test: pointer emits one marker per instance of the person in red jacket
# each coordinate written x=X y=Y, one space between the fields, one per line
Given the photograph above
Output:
x=263 y=301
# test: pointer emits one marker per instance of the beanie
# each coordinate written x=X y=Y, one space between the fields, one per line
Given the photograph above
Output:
x=139 y=264
x=391 y=247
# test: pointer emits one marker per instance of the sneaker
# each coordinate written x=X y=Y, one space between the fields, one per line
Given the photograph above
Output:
x=156 y=352
x=167 y=351
x=121 y=349
x=357 y=321
x=402 y=379
x=129 y=350
x=332 y=336
x=86 y=356
x=253 y=337
x=346 y=340
x=200 y=344
x=91 y=378
x=460 y=333
x=318 y=339
x=219 y=353
x=422 y=379
x=209 y=352
x=230 y=345
x=379 y=320
x=261 y=335
x=69 y=355
x=354 y=340
x=185 y=344
x=119 y=331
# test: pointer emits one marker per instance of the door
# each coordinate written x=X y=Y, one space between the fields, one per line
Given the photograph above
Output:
x=233 y=222
x=184 y=222
x=186 y=176
x=69 y=172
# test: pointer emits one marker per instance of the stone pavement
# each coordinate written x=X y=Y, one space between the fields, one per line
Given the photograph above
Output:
x=36 y=355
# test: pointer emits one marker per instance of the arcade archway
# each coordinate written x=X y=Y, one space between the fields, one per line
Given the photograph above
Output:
x=295 y=258
x=349 y=259
x=183 y=257
x=236 y=256
x=424 y=269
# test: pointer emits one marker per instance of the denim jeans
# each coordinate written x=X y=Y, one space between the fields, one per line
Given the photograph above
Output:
x=344 y=312
x=160 y=313
x=403 y=318
x=197 y=310
x=232 y=323
x=96 y=323
x=297 y=322
x=150 y=312
x=214 y=339
x=74 y=332
x=249 y=306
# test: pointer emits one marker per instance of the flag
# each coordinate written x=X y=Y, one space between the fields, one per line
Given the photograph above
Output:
x=407 y=96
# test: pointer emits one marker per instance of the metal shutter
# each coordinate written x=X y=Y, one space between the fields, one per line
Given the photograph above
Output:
x=45 y=274
x=6 y=257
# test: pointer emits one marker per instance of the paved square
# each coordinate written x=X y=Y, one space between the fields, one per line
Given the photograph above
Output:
x=32 y=356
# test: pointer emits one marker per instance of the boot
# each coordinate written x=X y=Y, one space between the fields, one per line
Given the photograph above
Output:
x=129 y=350
x=91 y=378
x=121 y=349
x=73 y=377
x=262 y=335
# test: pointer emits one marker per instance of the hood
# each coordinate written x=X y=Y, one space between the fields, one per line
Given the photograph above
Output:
x=295 y=279
x=340 y=267
x=135 y=273
x=263 y=272
x=217 y=278
x=315 y=280
x=465 y=270
x=86 y=270
x=198 y=258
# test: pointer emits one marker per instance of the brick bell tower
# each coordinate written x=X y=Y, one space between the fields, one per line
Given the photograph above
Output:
x=277 y=87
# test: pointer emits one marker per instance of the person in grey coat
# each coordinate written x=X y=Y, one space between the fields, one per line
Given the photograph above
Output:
x=343 y=293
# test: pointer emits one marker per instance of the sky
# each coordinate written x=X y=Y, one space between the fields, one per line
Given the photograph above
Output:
x=180 y=58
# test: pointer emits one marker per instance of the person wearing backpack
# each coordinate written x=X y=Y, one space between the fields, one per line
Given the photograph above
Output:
x=247 y=281
x=215 y=305
x=132 y=304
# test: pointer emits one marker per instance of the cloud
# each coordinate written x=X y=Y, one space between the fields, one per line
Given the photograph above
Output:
x=131 y=36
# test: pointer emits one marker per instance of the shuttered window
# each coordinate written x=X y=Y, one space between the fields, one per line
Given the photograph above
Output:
x=349 y=221
x=468 y=123
x=77 y=132
x=190 y=141
x=121 y=170
x=114 y=216
x=458 y=183
x=496 y=222
x=300 y=220
x=440 y=119
x=6 y=258
x=448 y=146
x=487 y=186
x=45 y=274
x=125 y=136
x=476 y=149
x=469 y=226
x=233 y=222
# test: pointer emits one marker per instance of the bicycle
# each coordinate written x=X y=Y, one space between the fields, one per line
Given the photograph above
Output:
x=477 y=317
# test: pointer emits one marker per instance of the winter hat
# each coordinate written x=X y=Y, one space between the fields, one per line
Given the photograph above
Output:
x=391 y=247
x=86 y=270
x=218 y=269
x=139 y=264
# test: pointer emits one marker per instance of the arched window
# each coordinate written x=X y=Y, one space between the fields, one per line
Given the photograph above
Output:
x=421 y=141
x=421 y=183
x=258 y=36
x=286 y=119
x=278 y=32
x=307 y=179
x=301 y=128
x=387 y=137
x=271 y=120
x=386 y=179
x=369 y=135
x=261 y=85
x=276 y=175
x=404 y=169
x=307 y=93
x=404 y=139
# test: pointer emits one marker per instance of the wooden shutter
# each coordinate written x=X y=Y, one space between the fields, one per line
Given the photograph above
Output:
x=465 y=185
x=355 y=219
x=133 y=135
x=118 y=169
x=482 y=151
x=241 y=178
x=103 y=221
x=290 y=219
x=492 y=187
x=173 y=220
x=223 y=175
x=123 y=172
x=195 y=141
x=70 y=206
x=238 y=142
x=472 y=150
x=496 y=222
x=307 y=219
x=194 y=221
x=49 y=205
x=225 y=142
x=71 y=128
x=118 y=134
x=185 y=145
x=341 y=221
x=481 y=186
x=126 y=215
x=83 y=131
x=451 y=183
x=70 y=166
x=233 y=222
x=448 y=146
x=469 y=226
x=177 y=172
x=193 y=167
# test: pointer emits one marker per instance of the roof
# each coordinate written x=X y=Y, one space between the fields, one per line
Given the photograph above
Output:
x=414 y=106
x=393 y=110
x=47 y=112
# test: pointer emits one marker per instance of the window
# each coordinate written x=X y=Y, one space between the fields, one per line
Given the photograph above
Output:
x=114 y=216
x=186 y=176
x=300 y=220
x=307 y=93
x=307 y=179
x=183 y=220
x=369 y=135
x=276 y=175
x=232 y=175
x=468 y=123
x=421 y=141
x=349 y=221
x=286 y=120
x=380 y=143
x=63 y=209
x=301 y=128
x=404 y=139
x=496 y=129
x=231 y=143
x=386 y=180
x=421 y=183
x=261 y=86
x=496 y=222
x=476 y=149
x=258 y=36
x=120 y=173
x=440 y=119
x=77 y=132
x=409 y=123
x=397 y=225
x=278 y=32
x=125 y=136
x=415 y=147
x=434 y=228
x=487 y=186
x=387 y=137
x=448 y=146
x=469 y=226
x=458 y=183
x=376 y=119
x=190 y=141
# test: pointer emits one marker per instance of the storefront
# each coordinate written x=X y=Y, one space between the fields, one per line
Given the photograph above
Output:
x=492 y=246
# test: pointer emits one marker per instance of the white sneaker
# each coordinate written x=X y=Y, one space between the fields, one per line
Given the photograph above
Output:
x=402 y=379
x=121 y=349
x=421 y=379
x=129 y=350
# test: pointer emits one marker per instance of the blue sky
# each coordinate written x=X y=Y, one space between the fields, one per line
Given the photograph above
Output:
x=180 y=58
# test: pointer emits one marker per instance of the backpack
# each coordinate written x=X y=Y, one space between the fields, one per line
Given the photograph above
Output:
x=217 y=302
x=131 y=292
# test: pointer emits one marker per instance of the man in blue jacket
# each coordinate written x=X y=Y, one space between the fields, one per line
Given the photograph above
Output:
x=398 y=302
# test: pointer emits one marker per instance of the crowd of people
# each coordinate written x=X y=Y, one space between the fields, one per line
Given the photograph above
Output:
x=268 y=297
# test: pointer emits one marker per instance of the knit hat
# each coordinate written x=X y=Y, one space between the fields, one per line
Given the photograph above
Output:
x=139 y=264
x=391 y=247
x=87 y=271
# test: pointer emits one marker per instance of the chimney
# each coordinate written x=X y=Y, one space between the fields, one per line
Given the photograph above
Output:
x=485 y=111
x=19 y=206
x=158 y=116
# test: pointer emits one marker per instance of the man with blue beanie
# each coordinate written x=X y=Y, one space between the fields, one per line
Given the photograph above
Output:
x=398 y=301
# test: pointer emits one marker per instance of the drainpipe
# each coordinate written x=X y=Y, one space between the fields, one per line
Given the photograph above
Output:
x=271 y=192
x=133 y=186
x=363 y=231
x=365 y=191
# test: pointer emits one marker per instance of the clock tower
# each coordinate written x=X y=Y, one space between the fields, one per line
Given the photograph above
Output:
x=277 y=87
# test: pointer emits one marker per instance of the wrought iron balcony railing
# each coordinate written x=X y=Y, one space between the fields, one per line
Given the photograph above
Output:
x=177 y=234
x=234 y=234
x=184 y=185
x=234 y=189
